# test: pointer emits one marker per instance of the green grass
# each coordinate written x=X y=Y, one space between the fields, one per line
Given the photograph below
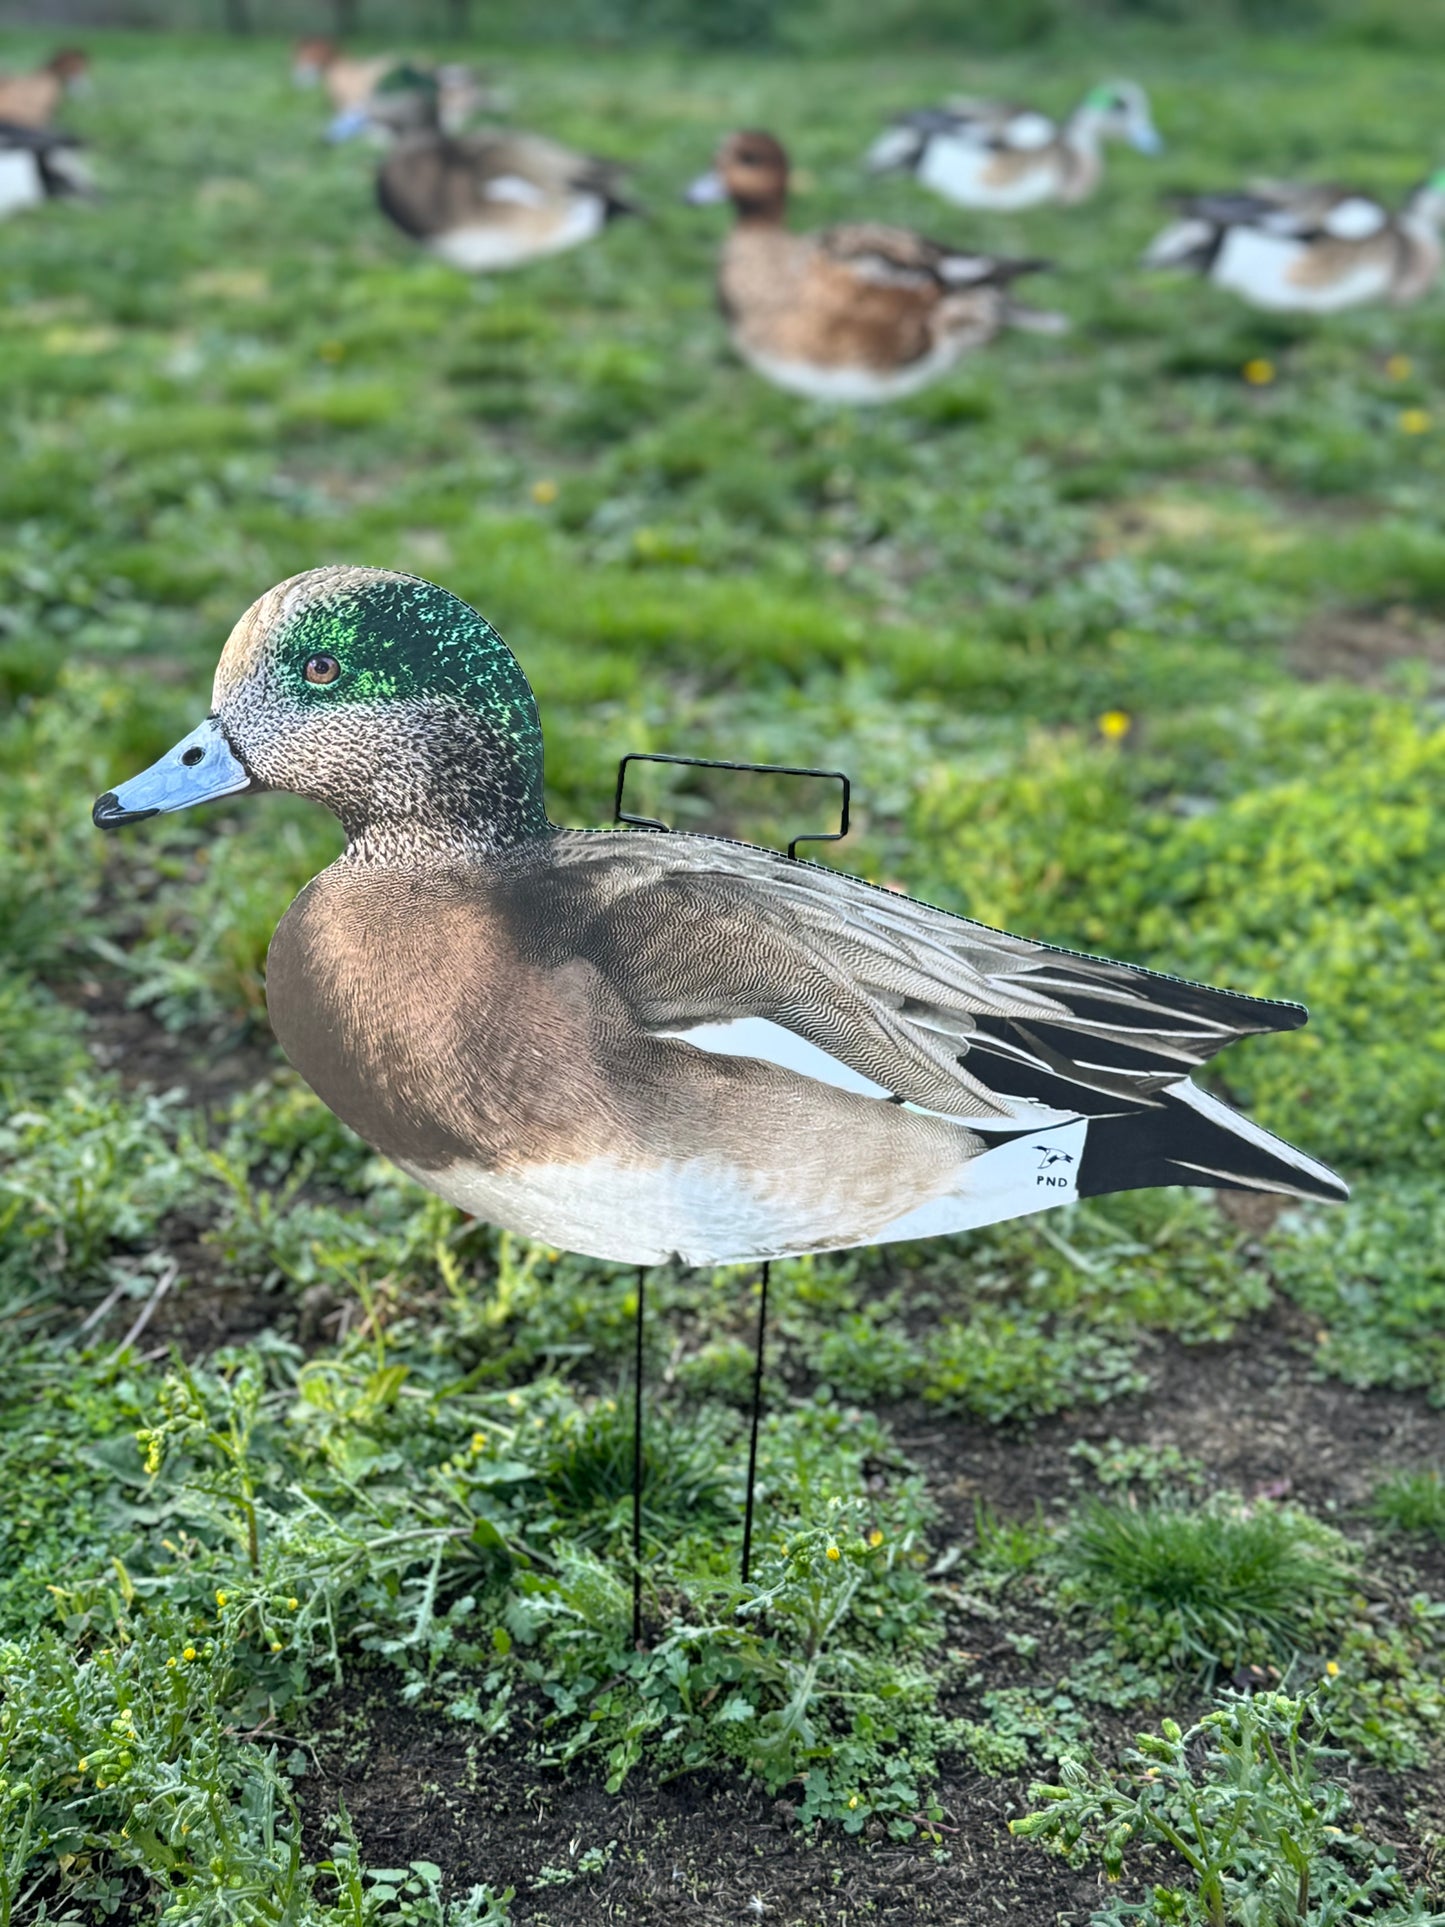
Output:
x=1411 y=1502
x=1220 y=1584
x=228 y=370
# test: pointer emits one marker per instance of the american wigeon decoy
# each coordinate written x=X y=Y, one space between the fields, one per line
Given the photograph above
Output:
x=39 y=164
x=385 y=94
x=856 y=313
x=31 y=100
x=643 y=1046
x=986 y=153
x=487 y=201
x=1308 y=250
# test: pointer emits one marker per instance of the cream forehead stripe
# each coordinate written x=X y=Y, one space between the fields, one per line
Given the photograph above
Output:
x=247 y=643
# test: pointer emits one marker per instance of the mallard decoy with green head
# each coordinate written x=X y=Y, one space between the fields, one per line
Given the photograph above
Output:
x=643 y=1046
x=861 y=312
x=1308 y=250
x=989 y=154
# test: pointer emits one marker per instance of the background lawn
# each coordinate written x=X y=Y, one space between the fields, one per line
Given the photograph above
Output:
x=313 y=1585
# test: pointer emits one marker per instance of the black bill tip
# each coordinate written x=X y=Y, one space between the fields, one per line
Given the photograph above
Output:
x=109 y=813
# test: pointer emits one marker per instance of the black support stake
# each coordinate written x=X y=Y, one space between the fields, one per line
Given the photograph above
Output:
x=757 y=1414
x=637 y=1468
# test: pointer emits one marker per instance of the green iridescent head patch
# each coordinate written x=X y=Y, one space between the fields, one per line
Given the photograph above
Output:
x=400 y=640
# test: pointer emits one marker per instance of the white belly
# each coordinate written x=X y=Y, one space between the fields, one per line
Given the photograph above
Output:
x=856 y=383
x=509 y=242
x=21 y=182
x=959 y=171
x=1258 y=267
x=707 y=1212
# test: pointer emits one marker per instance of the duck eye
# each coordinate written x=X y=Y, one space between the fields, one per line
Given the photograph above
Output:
x=322 y=669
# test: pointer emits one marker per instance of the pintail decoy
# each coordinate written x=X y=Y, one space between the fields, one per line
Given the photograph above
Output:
x=39 y=164
x=1308 y=250
x=856 y=313
x=486 y=201
x=31 y=100
x=986 y=153
x=640 y=1045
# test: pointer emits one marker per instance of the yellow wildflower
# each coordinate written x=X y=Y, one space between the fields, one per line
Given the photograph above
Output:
x=1115 y=724
x=479 y=1441
x=1399 y=367
x=189 y=1653
x=875 y=1537
x=1332 y=1667
x=833 y=1553
x=1258 y=372
x=83 y=1766
x=544 y=492
x=172 y=1660
x=292 y=1604
x=275 y=1645
x=1414 y=421
x=853 y=1801
x=220 y=1598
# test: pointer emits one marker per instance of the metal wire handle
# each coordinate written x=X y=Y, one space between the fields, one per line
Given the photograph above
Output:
x=619 y=815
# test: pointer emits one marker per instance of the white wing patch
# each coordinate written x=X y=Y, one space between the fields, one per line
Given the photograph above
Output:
x=513 y=188
x=775 y=1044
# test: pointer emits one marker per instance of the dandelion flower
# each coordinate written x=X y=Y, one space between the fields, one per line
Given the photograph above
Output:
x=1332 y=1667
x=220 y=1598
x=833 y=1553
x=275 y=1645
x=479 y=1441
x=1258 y=372
x=1115 y=724
x=189 y=1653
x=544 y=492
x=172 y=1660
x=875 y=1537
x=1414 y=421
x=292 y=1604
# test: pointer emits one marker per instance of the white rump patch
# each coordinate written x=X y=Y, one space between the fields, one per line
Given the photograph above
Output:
x=21 y=182
x=1031 y=1173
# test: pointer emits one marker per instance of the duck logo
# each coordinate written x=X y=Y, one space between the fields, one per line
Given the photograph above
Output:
x=1049 y=1157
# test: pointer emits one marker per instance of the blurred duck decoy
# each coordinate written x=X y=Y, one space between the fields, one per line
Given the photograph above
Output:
x=39 y=164
x=644 y=1046
x=984 y=153
x=1308 y=250
x=485 y=201
x=379 y=94
x=31 y=100
x=856 y=313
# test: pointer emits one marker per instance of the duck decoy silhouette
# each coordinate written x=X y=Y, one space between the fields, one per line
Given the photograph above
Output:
x=1308 y=250
x=645 y=1046
x=39 y=164
x=352 y=84
x=857 y=313
x=31 y=100
x=989 y=154
x=485 y=201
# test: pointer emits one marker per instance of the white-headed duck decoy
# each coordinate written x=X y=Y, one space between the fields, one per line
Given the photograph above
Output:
x=31 y=100
x=856 y=313
x=39 y=164
x=486 y=201
x=643 y=1046
x=1308 y=250
x=985 y=153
